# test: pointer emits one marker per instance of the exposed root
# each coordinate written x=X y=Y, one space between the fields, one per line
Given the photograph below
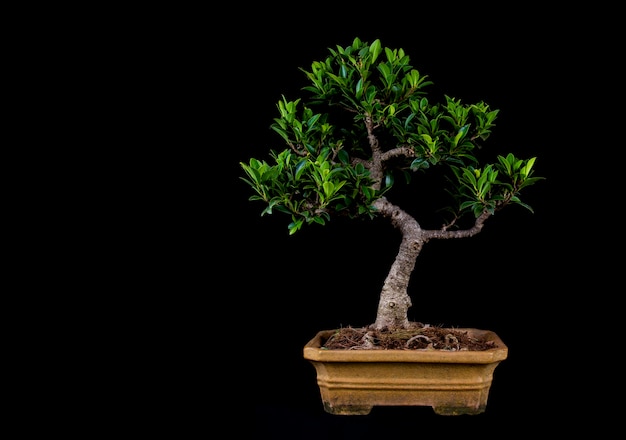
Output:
x=423 y=338
x=418 y=337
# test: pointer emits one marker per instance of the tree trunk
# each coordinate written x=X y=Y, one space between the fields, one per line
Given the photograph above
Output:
x=394 y=298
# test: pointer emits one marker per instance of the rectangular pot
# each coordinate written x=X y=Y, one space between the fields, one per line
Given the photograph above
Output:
x=351 y=382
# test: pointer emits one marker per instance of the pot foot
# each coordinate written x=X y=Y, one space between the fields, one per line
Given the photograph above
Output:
x=348 y=410
x=458 y=410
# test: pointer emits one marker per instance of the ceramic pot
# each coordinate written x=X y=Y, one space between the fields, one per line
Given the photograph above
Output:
x=351 y=382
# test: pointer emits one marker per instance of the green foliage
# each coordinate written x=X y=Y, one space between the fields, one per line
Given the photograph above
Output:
x=365 y=119
x=480 y=189
x=310 y=188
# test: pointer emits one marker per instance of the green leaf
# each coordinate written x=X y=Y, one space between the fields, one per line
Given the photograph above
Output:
x=375 y=49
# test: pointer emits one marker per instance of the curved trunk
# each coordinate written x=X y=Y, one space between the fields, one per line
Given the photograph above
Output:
x=394 y=300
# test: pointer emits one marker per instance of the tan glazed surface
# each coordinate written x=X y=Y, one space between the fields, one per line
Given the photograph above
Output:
x=351 y=382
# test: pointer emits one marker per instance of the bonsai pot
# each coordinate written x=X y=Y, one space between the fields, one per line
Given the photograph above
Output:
x=351 y=382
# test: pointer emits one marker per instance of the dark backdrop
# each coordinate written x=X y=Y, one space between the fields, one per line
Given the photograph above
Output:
x=240 y=286
x=290 y=287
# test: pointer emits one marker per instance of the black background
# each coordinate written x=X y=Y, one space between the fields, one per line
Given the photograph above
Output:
x=243 y=297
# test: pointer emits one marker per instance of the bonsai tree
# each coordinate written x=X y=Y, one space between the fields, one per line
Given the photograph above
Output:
x=365 y=126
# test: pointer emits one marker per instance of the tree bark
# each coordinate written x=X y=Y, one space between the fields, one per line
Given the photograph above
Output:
x=394 y=300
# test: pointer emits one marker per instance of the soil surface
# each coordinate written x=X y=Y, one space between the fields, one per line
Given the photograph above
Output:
x=418 y=337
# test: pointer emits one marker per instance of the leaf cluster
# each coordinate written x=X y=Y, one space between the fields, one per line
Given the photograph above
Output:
x=366 y=119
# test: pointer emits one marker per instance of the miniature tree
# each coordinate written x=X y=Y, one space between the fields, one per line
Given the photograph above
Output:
x=366 y=126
